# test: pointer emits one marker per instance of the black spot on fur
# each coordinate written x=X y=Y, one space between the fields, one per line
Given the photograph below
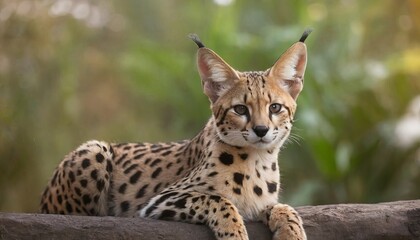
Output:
x=108 y=166
x=166 y=153
x=130 y=168
x=82 y=152
x=155 y=162
x=179 y=171
x=243 y=156
x=192 y=212
x=273 y=166
x=59 y=199
x=83 y=182
x=226 y=158
x=150 y=209
x=126 y=148
x=100 y=184
x=238 y=178
x=167 y=214
x=78 y=191
x=257 y=190
x=138 y=156
x=99 y=158
x=272 y=187
x=180 y=203
x=86 y=199
x=69 y=208
x=54 y=178
x=135 y=177
x=237 y=191
x=215 y=198
x=121 y=159
x=122 y=188
x=156 y=172
x=142 y=191
x=72 y=177
x=165 y=196
x=212 y=174
x=125 y=206
x=139 y=150
x=147 y=161
x=85 y=163
x=94 y=174
x=156 y=188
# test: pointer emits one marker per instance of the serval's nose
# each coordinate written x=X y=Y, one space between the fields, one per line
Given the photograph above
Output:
x=260 y=131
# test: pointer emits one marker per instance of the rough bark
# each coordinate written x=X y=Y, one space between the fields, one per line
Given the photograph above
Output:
x=394 y=220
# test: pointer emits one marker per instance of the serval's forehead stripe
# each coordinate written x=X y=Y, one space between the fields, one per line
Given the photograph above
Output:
x=255 y=79
x=257 y=86
x=259 y=91
x=255 y=82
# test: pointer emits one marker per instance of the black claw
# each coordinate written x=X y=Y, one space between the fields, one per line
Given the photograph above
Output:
x=196 y=39
x=305 y=35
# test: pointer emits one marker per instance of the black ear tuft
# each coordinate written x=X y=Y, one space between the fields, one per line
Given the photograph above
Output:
x=196 y=39
x=305 y=35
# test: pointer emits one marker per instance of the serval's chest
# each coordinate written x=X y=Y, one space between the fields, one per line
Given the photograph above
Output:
x=248 y=178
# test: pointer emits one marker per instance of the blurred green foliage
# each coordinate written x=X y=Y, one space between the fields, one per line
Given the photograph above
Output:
x=122 y=71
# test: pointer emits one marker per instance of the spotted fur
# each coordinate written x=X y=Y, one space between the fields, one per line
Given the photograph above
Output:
x=224 y=176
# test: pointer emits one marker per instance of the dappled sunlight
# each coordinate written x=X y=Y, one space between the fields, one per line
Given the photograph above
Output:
x=407 y=129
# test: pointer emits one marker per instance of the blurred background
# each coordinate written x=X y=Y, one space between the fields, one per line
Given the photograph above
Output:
x=75 y=70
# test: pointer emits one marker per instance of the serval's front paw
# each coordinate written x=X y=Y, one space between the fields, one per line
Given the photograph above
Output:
x=284 y=222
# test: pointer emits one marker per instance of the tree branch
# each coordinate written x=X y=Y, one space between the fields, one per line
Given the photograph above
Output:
x=394 y=220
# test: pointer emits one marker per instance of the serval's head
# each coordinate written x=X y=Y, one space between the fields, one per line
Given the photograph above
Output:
x=256 y=108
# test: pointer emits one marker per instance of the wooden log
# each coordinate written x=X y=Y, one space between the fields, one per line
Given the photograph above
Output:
x=393 y=220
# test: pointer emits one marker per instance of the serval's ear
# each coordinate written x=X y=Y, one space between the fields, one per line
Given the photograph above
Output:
x=289 y=69
x=216 y=75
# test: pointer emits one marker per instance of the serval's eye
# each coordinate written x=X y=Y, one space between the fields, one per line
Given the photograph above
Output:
x=275 y=108
x=240 y=109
